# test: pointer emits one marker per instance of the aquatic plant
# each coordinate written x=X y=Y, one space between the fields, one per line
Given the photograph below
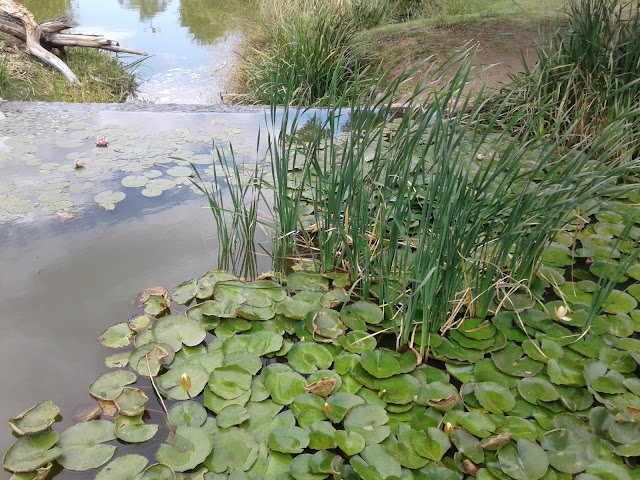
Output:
x=262 y=380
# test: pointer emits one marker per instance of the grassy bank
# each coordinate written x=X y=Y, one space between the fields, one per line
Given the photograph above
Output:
x=23 y=77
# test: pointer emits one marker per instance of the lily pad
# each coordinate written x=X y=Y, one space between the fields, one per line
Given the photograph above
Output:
x=307 y=357
x=29 y=453
x=116 y=336
x=35 y=420
x=187 y=413
x=288 y=440
x=284 y=385
x=361 y=311
x=131 y=401
x=177 y=330
x=369 y=422
x=133 y=429
x=83 y=445
x=111 y=384
x=233 y=449
x=524 y=460
x=109 y=198
x=126 y=467
x=566 y=450
x=171 y=382
x=350 y=443
x=537 y=389
x=381 y=363
x=158 y=471
x=231 y=415
x=185 y=449
x=494 y=397
x=230 y=382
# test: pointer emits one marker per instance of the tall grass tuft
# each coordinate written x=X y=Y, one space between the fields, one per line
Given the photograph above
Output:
x=309 y=42
x=586 y=76
x=432 y=212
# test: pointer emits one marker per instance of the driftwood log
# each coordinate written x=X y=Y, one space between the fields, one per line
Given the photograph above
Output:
x=40 y=38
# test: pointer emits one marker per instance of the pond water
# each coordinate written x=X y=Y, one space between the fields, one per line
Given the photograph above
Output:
x=74 y=259
x=191 y=43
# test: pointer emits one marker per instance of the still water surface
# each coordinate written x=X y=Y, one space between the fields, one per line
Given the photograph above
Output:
x=191 y=43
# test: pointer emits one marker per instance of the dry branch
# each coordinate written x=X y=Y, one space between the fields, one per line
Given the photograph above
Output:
x=40 y=38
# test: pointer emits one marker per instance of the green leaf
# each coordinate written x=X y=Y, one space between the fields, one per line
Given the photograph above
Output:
x=369 y=422
x=566 y=450
x=231 y=415
x=288 y=440
x=116 y=336
x=380 y=363
x=307 y=357
x=83 y=445
x=29 y=453
x=432 y=444
x=537 y=389
x=133 y=429
x=131 y=401
x=494 y=397
x=177 y=330
x=283 y=386
x=361 y=311
x=35 y=420
x=233 y=449
x=350 y=443
x=340 y=403
x=111 y=384
x=187 y=413
x=524 y=460
x=185 y=449
x=376 y=458
x=158 y=471
x=126 y=467
x=171 y=384
x=230 y=382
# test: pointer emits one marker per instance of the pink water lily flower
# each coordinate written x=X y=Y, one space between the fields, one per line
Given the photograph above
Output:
x=480 y=156
x=78 y=164
x=101 y=142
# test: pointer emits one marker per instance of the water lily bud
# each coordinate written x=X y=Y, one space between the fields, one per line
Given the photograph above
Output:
x=480 y=157
x=561 y=313
x=589 y=260
x=382 y=393
x=101 y=142
x=327 y=409
x=78 y=164
x=448 y=429
x=185 y=381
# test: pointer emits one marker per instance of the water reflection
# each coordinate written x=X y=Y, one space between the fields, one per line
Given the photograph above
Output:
x=208 y=20
x=147 y=8
x=45 y=10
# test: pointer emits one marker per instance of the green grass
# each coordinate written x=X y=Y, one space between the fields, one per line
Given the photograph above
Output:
x=104 y=78
x=585 y=77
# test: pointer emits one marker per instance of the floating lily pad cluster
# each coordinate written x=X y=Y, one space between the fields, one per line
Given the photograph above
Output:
x=44 y=159
x=269 y=381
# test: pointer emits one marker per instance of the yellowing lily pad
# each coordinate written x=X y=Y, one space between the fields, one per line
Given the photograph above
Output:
x=35 y=420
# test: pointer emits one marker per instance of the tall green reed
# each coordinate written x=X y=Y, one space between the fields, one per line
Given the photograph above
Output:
x=409 y=210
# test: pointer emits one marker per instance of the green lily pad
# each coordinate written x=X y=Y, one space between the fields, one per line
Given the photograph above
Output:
x=185 y=449
x=185 y=292
x=111 y=384
x=109 y=198
x=171 y=382
x=432 y=444
x=83 y=445
x=257 y=343
x=116 y=336
x=133 y=429
x=300 y=468
x=537 y=389
x=284 y=385
x=381 y=363
x=187 y=413
x=233 y=449
x=478 y=423
x=557 y=255
x=567 y=451
x=358 y=341
x=322 y=435
x=216 y=403
x=126 y=467
x=494 y=397
x=598 y=377
x=307 y=357
x=325 y=323
x=148 y=358
x=399 y=389
x=131 y=401
x=31 y=452
x=230 y=382
x=468 y=445
x=361 y=311
x=36 y=419
x=369 y=422
x=340 y=403
x=350 y=443
x=288 y=440
x=307 y=281
x=375 y=460
x=619 y=302
x=158 y=471
x=510 y=361
x=231 y=415
x=177 y=330
x=138 y=323
x=524 y=460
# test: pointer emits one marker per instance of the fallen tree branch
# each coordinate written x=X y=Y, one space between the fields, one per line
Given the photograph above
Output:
x=40 y=38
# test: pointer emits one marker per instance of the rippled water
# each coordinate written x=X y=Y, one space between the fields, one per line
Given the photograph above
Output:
x=191 y=43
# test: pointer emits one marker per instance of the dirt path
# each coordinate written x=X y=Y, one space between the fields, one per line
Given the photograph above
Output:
x=501 y=45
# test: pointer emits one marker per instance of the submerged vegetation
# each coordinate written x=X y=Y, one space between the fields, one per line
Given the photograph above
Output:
x=104 y=79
